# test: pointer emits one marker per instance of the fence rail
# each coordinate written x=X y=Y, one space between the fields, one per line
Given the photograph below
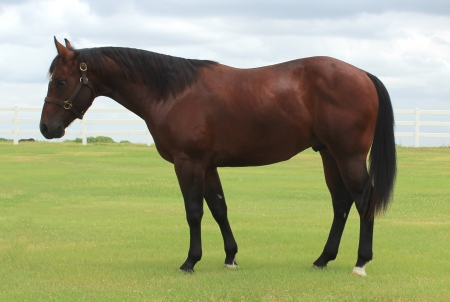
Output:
x=417 y=123
x=84 y=133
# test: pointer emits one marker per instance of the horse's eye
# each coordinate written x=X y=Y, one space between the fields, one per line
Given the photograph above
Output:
x=61 y=83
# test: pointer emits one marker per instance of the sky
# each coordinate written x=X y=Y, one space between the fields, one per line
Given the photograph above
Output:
x=405 y=43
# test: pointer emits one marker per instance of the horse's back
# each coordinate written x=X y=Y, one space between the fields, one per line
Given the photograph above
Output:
x=258 y=116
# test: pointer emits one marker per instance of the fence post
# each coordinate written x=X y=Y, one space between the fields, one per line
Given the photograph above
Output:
x=16 y=125
x=83 y=131
x=416 y=130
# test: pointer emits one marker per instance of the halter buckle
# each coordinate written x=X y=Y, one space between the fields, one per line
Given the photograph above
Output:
x=67 y=105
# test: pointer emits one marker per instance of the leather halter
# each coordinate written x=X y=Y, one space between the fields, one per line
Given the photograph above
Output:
x=68 y=105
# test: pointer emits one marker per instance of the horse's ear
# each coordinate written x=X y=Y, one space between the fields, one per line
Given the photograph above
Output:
x=68 y=45
x=63 y=51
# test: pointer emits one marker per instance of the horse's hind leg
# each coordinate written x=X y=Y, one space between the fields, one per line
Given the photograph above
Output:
x=216 y=202
x=355 y=176
x=342 y=202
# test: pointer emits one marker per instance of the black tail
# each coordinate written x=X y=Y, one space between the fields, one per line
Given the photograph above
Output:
x=383 y=157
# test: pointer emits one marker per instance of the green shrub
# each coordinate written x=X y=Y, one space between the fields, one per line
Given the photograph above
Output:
x=100 y=139
x=76 y=140
x=94 y=140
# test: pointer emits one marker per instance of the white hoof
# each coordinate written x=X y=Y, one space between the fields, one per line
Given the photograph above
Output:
x=231 y=266
x=359 y=271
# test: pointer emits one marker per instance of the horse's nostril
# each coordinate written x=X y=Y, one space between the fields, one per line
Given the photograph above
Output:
x=44 y=128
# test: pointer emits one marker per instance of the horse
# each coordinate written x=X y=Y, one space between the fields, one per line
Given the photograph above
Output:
x=204 y=115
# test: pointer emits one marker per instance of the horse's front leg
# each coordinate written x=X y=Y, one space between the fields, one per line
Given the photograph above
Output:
x=190 y=176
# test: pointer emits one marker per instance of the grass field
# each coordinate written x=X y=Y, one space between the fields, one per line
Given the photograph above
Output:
x=107 y=223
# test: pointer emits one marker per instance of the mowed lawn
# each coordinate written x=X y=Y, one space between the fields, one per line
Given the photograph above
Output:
x=107 y=223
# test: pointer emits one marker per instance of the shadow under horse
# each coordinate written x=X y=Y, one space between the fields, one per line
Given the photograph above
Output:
x=203 y=115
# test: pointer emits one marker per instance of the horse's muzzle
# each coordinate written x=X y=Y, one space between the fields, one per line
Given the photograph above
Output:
x=50 y=132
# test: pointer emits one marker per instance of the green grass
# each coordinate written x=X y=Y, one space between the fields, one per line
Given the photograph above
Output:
x=107 y=223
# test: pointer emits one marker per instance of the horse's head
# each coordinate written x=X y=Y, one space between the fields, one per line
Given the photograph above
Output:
x=69 y=93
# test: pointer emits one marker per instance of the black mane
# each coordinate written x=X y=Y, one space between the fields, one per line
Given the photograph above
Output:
x=166 y=74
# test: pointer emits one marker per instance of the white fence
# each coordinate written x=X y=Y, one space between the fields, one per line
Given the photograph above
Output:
x=84 y=133
x=416 y=123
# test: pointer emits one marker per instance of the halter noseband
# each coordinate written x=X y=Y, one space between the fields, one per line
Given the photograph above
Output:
x=68 y=105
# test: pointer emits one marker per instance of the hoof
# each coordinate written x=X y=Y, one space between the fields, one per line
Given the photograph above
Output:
x=359 y=271
x=186 y=271
x=233 y=265
x=318 y=267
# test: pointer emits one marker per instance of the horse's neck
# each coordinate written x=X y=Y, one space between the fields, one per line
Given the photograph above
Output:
x=138 y=98
x=134 y=97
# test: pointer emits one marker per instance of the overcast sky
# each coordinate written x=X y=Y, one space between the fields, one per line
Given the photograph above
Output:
x=405 y=43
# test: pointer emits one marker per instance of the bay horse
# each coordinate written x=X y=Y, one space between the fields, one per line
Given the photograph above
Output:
x=203 y=115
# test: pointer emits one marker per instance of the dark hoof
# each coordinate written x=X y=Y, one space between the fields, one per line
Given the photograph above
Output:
x=322 y=261
x=320 y=264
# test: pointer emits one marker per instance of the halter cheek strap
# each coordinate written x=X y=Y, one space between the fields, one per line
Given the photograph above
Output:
x=68 y=105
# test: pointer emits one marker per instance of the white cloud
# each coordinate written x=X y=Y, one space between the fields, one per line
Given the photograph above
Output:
x=267 y=9
x=407 y=46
